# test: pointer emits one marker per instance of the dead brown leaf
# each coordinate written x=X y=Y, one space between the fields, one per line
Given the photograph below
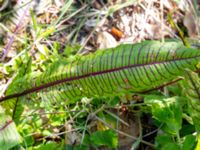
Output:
x=190 y=23
x=106 y=40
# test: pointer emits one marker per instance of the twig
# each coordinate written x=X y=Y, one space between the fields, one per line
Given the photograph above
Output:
x=90 y=116
x=116 y=117
x=140 y=136
x=5 y=4
x=12 y=34
x=162 y=16
x=154 y=131
x=91 y=33
x=11 y=39
x=73 y=14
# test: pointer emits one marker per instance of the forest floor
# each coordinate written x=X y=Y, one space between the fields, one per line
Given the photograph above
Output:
x=82 y=27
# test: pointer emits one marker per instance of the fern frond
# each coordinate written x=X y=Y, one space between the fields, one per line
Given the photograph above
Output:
x=126 y=68
x=191 y=90
x=9 y=135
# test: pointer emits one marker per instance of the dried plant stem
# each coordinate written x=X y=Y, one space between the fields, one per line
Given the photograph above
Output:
x=162 y=16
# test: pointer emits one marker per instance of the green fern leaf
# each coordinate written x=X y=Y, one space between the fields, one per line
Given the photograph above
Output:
x=191 y=90
x=9 y=135
x=126 y=68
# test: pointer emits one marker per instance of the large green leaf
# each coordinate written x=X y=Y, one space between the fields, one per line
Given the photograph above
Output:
x=9 y=136
x=104 y=138
x=191 y=89
x=127 y=68
x=136 y=68
x=167 y=111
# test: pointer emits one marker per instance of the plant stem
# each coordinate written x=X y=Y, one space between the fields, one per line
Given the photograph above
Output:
x=178 y=137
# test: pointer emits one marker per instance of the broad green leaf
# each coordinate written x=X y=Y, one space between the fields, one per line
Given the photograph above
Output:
x=9 y=137
x=162 y=140
x=171 y=146
x=28 y=141
x=114 y=101
x=80 y=147
x=104 y=138
x=189 y=142
x=167 y=111
x=128 y=68
x=191 y=89
x=198 y=144
x=124 y=69
x=48 y=146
